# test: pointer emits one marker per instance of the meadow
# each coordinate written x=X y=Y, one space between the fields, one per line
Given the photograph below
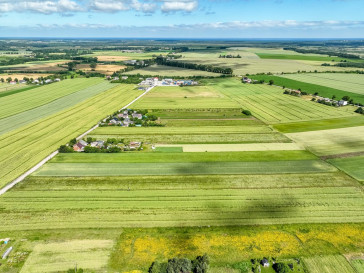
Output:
x=36 y=97
x=22 y=148
x=175 y=201
x=26 y=117
x=61 y=256
x=168 y=71
x=328 y=264
x=315 y=125
x=351 y=165
x=353 y=83
x=331 y=142
x=311 y=88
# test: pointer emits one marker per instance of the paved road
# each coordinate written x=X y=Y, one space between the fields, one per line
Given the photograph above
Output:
x=45 y=160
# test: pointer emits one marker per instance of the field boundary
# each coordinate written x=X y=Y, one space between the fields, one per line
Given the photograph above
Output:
x=52 y=155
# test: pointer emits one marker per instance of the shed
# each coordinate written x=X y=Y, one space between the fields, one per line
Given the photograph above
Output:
x=265 y=262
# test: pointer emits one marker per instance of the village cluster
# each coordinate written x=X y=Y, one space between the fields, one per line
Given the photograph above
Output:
x=151 y=82
x=130 y=118
x=111 y=145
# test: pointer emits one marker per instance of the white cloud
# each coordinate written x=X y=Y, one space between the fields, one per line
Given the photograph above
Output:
x=46 y=7
x=172 y=6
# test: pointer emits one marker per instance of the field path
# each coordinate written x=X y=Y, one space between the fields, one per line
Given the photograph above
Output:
x=52 y=155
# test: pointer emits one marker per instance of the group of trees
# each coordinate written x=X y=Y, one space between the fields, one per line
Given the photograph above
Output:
x=228 y=56
x=203 y=67
x=182 y=265
x=324 y=52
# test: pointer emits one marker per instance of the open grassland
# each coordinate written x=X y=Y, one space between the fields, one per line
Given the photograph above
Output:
x=162 y=201
x=180 y=158
x=169 y=71
x=353 y=83
x=193 y=148
x=183 y=168
x=137 y=249
x=331 y=142
x=315 y=125
x=311 y=88
x=185 y=97
x=328 y=264
x=24 y=147
x=354 y=166
x=190 y=133
x=272 y=106
x=303 y=57
x=90 y=255
x=21 y=119
x=21 y=102
x=252 y=64
x=358 y=264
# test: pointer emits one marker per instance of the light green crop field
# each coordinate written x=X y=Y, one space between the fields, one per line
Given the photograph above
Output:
x=343 y=81
x=354 y=166
x=328 y=264
x=331 y=142
x=62 y=256
x=186 y=168
x=209 y=113
x=303 y=57
x=358 y=264
x=21 y=119
x=162 y=201
x=21 y=102
x=193 y=148
x=169 y=71
x=22 y=148
x=185 y=97
x=315 y=125
x=7 y=87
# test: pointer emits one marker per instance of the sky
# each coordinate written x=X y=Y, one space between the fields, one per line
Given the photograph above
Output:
x=182 y=18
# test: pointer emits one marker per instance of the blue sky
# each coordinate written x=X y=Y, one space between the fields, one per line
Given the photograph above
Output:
x=183 y=18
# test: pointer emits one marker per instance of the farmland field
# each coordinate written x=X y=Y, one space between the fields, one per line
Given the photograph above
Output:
x=325 y=124
x=358 y=264
x=168 y=71
x=353 y=83
x=331 y=142
x=24 y=147
x=351 y=165
x=61 y=256
x=162 y=201
x=18 y=103
x=311 y=88
x=23 y=118
x=328 y=264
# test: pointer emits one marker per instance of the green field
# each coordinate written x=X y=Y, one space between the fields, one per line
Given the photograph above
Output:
x=328 y=264
x=24 y=147
x=351 y=165
x=315 y=125
x=169 y=71
x=21 y=119
x=33 y=98
x=353 y=83
x=311 y=88
x=61 y=256
x=303 y=57
x=358 y=264
x=331 y=142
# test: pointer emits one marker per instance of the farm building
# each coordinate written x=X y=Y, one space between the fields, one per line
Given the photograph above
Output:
x=342 y=102
x=80 y=146
x=265 y=262
x=134 y=145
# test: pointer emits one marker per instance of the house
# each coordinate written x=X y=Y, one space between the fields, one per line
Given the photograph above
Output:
x=12 y=82
x=35 y=81
x=48 y=81
x=97 y=144
x=22 y=81
x=265 y=262
x=134 y=145
x=80 y=146
x=247 y=80
x=124 y=77
x=342 y=103
x=136 y=115
x=116 y=78
x=57 y=80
